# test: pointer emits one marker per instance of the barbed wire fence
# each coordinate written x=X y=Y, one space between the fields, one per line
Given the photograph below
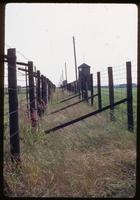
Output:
x=26 y=97
x=27 y=94
x=120 y=113
x=112 y=91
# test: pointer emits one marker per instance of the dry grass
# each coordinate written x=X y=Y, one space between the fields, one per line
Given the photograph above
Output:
x=93 y=158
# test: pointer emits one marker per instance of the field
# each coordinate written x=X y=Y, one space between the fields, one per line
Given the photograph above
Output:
x=92 y=158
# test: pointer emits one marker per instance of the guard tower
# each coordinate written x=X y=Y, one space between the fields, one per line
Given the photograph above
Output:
x=84 y=74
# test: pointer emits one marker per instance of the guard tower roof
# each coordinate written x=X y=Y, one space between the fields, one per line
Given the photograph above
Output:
x=84 y=65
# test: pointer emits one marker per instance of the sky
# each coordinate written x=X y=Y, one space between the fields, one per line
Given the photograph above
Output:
x=105 y=35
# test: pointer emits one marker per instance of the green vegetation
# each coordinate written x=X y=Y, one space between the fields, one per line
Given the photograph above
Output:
x=120 y=112
x=93 y=158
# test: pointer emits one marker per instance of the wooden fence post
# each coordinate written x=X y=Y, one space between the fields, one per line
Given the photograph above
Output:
x=35 y=82
x=79 y=89
x=99 y=90
x=33 y=113
x=70 y=87
x=52 y=92
x=91 y=88
x=13 y=106
x=82 y=88
x=38 y=94
x=45 y=88
x=43 y=92
x=49 y=92
x=86 y=89
x=46 y=91
x=74 y=85
x=27 y=90
x=111 y=92
x=42 y=88
x=129 y=98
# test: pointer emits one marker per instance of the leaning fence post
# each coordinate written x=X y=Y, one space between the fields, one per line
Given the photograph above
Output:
x=33 y=113
x=129 y=97
x=99 y=90
x=111 y=92
x=13 y=106
x=91 y=88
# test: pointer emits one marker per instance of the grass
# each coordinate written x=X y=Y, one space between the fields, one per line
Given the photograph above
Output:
x=120 y=111
x=92 y=158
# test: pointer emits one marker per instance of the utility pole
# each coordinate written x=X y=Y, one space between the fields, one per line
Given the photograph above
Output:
x=75 y=60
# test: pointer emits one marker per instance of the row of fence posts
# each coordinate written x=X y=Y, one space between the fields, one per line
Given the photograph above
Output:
x=84 y=87
x=37 y=97
x=71 y=87
x=44 y=91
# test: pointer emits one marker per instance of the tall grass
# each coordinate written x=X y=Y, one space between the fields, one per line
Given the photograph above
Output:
x=92 y=158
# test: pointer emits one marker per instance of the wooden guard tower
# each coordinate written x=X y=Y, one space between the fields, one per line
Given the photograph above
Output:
x=84 y=75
